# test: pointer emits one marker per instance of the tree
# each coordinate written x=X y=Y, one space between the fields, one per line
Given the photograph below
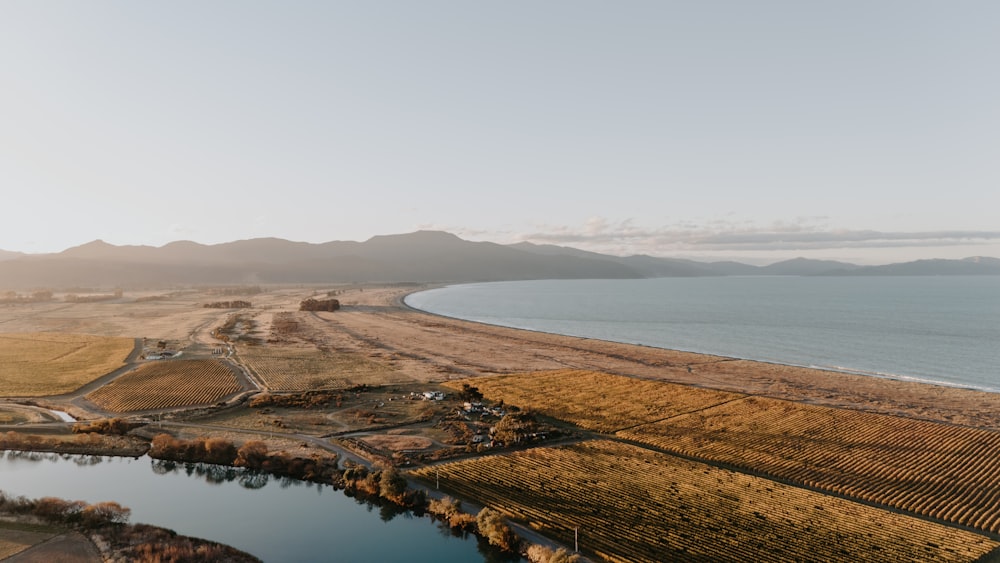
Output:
x=542 y=554
x=514 y=427
x=391 y=484
x=59 y=510
x=491 y=526
x=220 y=450
x=105 y=513
x=41 y=295
x=470 y=393
x=251 y=454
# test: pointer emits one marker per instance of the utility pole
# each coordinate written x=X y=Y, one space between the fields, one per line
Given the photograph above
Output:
x=576 y=539
x=438 y=486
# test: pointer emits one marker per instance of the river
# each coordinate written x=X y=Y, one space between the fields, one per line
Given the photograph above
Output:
x=278 y=520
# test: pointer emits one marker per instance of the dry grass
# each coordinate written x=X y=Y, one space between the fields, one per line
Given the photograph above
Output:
x=16 y=537
x=274 y=420
x=632 y=504
x=304 y=369
x=38 y=364
x=167 y=384
x=12 y=416
x=397 y=443
x=596 y=401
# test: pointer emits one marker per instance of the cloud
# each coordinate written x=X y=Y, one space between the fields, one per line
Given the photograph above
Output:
x=803 y=234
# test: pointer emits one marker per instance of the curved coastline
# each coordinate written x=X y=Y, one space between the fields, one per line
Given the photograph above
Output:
x=402 y=301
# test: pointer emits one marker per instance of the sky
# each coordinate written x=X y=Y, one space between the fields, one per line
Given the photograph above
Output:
x=866 y=131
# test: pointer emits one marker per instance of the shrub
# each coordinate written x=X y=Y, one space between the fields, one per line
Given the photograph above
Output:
x=491 y=526
x=542 y=554
x=319 y=305
x=102 y=513
x=109 y=426
x=251 y=454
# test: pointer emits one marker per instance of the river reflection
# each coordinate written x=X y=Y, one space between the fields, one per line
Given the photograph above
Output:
x=274 y=518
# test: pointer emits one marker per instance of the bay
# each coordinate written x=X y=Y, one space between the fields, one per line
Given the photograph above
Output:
x=942 y=329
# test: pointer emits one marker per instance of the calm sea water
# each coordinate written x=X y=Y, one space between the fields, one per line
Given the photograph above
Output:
x=936 y=329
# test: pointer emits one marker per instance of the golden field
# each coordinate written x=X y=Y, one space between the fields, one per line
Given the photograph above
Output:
x=166 y=384
x=942 y=471
x=633 y=504
x=305 y=369
x=597 y=401
x=39 y=364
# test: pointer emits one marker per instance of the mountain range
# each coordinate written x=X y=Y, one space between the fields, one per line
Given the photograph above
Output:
x=422 y=256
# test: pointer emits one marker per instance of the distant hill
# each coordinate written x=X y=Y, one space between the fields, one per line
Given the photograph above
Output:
x=805 y=267
x=423 y=256
x=974 y=266
x=645 y=266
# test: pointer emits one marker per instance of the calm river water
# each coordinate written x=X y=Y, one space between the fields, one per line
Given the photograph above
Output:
x=275 y=519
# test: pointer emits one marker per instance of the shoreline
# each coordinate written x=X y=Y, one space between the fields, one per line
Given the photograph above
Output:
x=922 y=380
x=501 y=349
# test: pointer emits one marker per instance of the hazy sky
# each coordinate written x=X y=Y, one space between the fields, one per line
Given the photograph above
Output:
x=860 y=130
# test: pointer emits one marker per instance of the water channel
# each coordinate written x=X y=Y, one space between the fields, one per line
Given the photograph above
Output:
x=278 y=520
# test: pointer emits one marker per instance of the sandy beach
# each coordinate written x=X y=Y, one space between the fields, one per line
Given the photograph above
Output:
x=433 y=348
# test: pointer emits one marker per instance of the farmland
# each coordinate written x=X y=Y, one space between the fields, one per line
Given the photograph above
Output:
x=947 y=472
x=597 y=401
x=632 y=504
x=942 y=471
x=38 y=364
x=305 y=369
x=664 y=471
x=166 y=384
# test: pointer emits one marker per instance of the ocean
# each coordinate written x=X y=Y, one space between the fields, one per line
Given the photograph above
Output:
x=935 y=329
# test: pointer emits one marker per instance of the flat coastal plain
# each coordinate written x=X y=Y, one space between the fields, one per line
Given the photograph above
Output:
x=758 y=461
x=375 y=324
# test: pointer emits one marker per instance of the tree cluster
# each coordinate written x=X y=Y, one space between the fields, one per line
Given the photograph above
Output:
x=542 y=554
x=305 y=400
x=252 y=455
x=107 y=426
x=449 y=511
x=319 y=305
x=207 y=450
x=470 y=393
x=70 y=512
x=515 y=427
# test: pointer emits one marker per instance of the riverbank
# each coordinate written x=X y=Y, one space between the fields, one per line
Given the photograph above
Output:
x=53 y=529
